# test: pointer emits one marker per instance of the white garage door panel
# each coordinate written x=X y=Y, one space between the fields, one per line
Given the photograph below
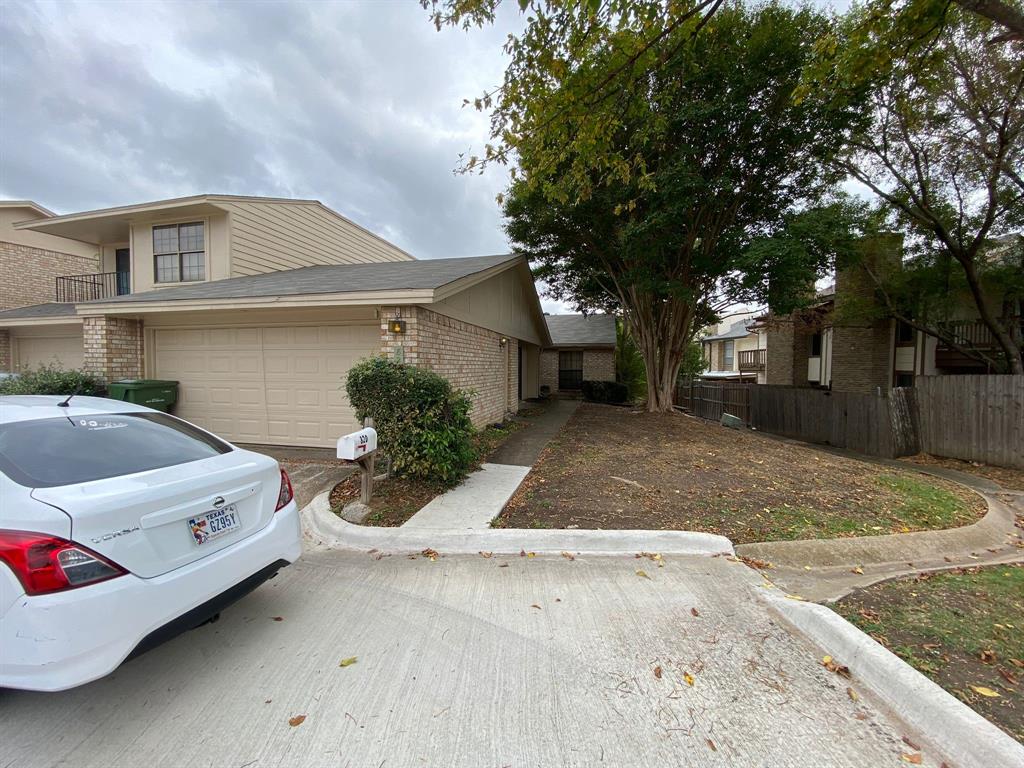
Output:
x=63 y=351
x=281 y=385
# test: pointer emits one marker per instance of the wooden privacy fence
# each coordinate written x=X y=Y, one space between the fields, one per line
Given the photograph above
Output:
x=976 y=418
x=710 y=399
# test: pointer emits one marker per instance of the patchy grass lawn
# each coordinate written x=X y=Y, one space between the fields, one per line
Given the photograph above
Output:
x=963 y=629
x=397 y=499
x=624 y=468
x=1008 y=477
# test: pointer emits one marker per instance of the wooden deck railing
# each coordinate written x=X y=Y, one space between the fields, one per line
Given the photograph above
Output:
x=753 y=359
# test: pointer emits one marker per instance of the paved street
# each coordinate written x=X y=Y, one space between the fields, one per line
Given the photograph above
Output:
x=470 y=661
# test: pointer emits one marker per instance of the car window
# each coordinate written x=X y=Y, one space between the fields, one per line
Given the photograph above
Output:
x=44 y=453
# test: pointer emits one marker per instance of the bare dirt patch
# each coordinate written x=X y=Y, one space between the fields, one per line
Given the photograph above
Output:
x=624 y=468
x=963 y=629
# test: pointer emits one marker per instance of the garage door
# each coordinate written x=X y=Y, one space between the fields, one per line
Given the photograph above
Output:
x=64 y=351
x=279 y=385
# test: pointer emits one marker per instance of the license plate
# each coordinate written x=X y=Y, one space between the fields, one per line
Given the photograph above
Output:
x=217 y=522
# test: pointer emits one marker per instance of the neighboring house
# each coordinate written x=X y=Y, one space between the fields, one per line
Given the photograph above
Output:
x=258 y=307
x=582 y=349
x=734 y=349
x=823 y=347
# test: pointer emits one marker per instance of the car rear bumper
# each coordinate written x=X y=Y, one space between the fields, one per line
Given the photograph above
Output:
x=59 y=641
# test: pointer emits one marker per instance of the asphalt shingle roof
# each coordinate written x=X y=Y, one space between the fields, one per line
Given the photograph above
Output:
x=735 y=331
x=581 y=331
x=333 y=278
x=52 y=309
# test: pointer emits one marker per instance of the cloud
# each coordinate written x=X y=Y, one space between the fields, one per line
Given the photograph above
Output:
x=355 y=104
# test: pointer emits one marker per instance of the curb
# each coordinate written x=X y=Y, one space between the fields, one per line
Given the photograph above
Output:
x=951 y=727
x=990 y=531
x=326 y=530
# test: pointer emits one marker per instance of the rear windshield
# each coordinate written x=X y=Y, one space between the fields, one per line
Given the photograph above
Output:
x=73 y=449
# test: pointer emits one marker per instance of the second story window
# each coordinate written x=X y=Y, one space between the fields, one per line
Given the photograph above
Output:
x=179 y=252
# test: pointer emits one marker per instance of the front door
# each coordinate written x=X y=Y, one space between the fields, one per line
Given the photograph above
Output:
x=123 y=265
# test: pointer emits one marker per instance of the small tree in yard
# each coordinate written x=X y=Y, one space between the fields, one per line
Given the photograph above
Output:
x=422 y=423
x=715 y=153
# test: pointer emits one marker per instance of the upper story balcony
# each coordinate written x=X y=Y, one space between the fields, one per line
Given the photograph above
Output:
x=972 y=334
x=753 y=359
x=100 y=285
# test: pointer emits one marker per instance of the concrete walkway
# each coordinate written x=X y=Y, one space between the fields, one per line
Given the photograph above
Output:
x=828 y=569
x=311 y=470
x=478 y=500
x=474 y=503
x=523 y=448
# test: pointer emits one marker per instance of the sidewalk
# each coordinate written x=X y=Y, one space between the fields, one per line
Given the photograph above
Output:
x=478 y=500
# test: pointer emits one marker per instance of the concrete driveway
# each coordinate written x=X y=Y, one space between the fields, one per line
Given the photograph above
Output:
x=471 y=661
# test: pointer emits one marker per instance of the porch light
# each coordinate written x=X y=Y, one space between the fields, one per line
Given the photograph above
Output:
x=396 y=326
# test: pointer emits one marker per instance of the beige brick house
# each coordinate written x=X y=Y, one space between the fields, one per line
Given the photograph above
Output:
x=582 y=349
x=258 y=307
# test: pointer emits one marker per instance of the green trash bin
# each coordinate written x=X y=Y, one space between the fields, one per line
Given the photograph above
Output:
x=152 y=393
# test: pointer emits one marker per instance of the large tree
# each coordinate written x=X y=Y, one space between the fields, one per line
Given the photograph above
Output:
x=709 y=154
x=944 y=153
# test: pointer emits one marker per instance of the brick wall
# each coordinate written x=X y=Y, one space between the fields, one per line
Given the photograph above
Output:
x=113 y=347
x=861 y=358
x=27 y=274
x=469 y=356
x=549 y=369
x=5 y=351
x=599 y=365
x=779 y=343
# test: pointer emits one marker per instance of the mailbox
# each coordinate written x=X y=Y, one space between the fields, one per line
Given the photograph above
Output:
x=358 y=444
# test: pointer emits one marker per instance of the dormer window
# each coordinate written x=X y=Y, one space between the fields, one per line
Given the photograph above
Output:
x=179 y=252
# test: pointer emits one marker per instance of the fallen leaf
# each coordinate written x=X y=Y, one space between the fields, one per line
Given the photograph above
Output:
x=522 y=553
x=832 y=666
x=503 y=565
x=486 y=554
x=914 y=759
x=695 y=612
x=688 y=678
x=858 y=569
x=348 y=662
x=568 y=556
x=642 y=574
x=911 y=744
x=536 y=606
x=657 y=672
x=987 y=656
x=1007 y=676
x=852 y=694
x=268 y=701
x=984 y=691
x=712 y=745
x=432 y=554
x=297 y=720
x=277 y=618
x=531 y=554
x=795 y=597
x=1017 y=663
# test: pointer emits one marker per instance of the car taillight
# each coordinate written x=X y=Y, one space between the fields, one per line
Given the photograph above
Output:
x=285 y=494
x=45 y=563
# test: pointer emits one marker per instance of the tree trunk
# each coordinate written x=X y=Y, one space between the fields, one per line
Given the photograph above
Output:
x=661 y=339
x=1006 y=343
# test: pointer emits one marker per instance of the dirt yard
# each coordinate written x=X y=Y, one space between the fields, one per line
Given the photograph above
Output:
x=964 y=630
x=623 y=468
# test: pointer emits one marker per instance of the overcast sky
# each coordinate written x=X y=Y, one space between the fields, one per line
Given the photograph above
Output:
x=357 y=104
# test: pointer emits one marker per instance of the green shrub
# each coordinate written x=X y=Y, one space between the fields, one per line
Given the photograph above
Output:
x=422 y=423
x=52 y=380
x=605 y=392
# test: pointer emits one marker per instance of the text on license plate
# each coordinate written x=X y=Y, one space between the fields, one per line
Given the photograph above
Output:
x=215 y=523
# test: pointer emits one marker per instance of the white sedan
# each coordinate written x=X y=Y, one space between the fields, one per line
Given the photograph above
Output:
x=120 y=527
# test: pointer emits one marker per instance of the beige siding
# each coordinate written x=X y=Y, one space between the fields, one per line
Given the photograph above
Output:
x=268 y=236
x=504 y=303
x=8 y=216
x=59 y=345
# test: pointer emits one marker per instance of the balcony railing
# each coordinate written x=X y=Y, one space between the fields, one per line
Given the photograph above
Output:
x=100 y=285
x=753 y=359
x=971 y=333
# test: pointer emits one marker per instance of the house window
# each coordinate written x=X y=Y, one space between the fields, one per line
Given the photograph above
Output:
x=570 y=370
x=903 y=379
x=816 y=344
x=904 y=333
x=179 y=252
x=728 y=349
